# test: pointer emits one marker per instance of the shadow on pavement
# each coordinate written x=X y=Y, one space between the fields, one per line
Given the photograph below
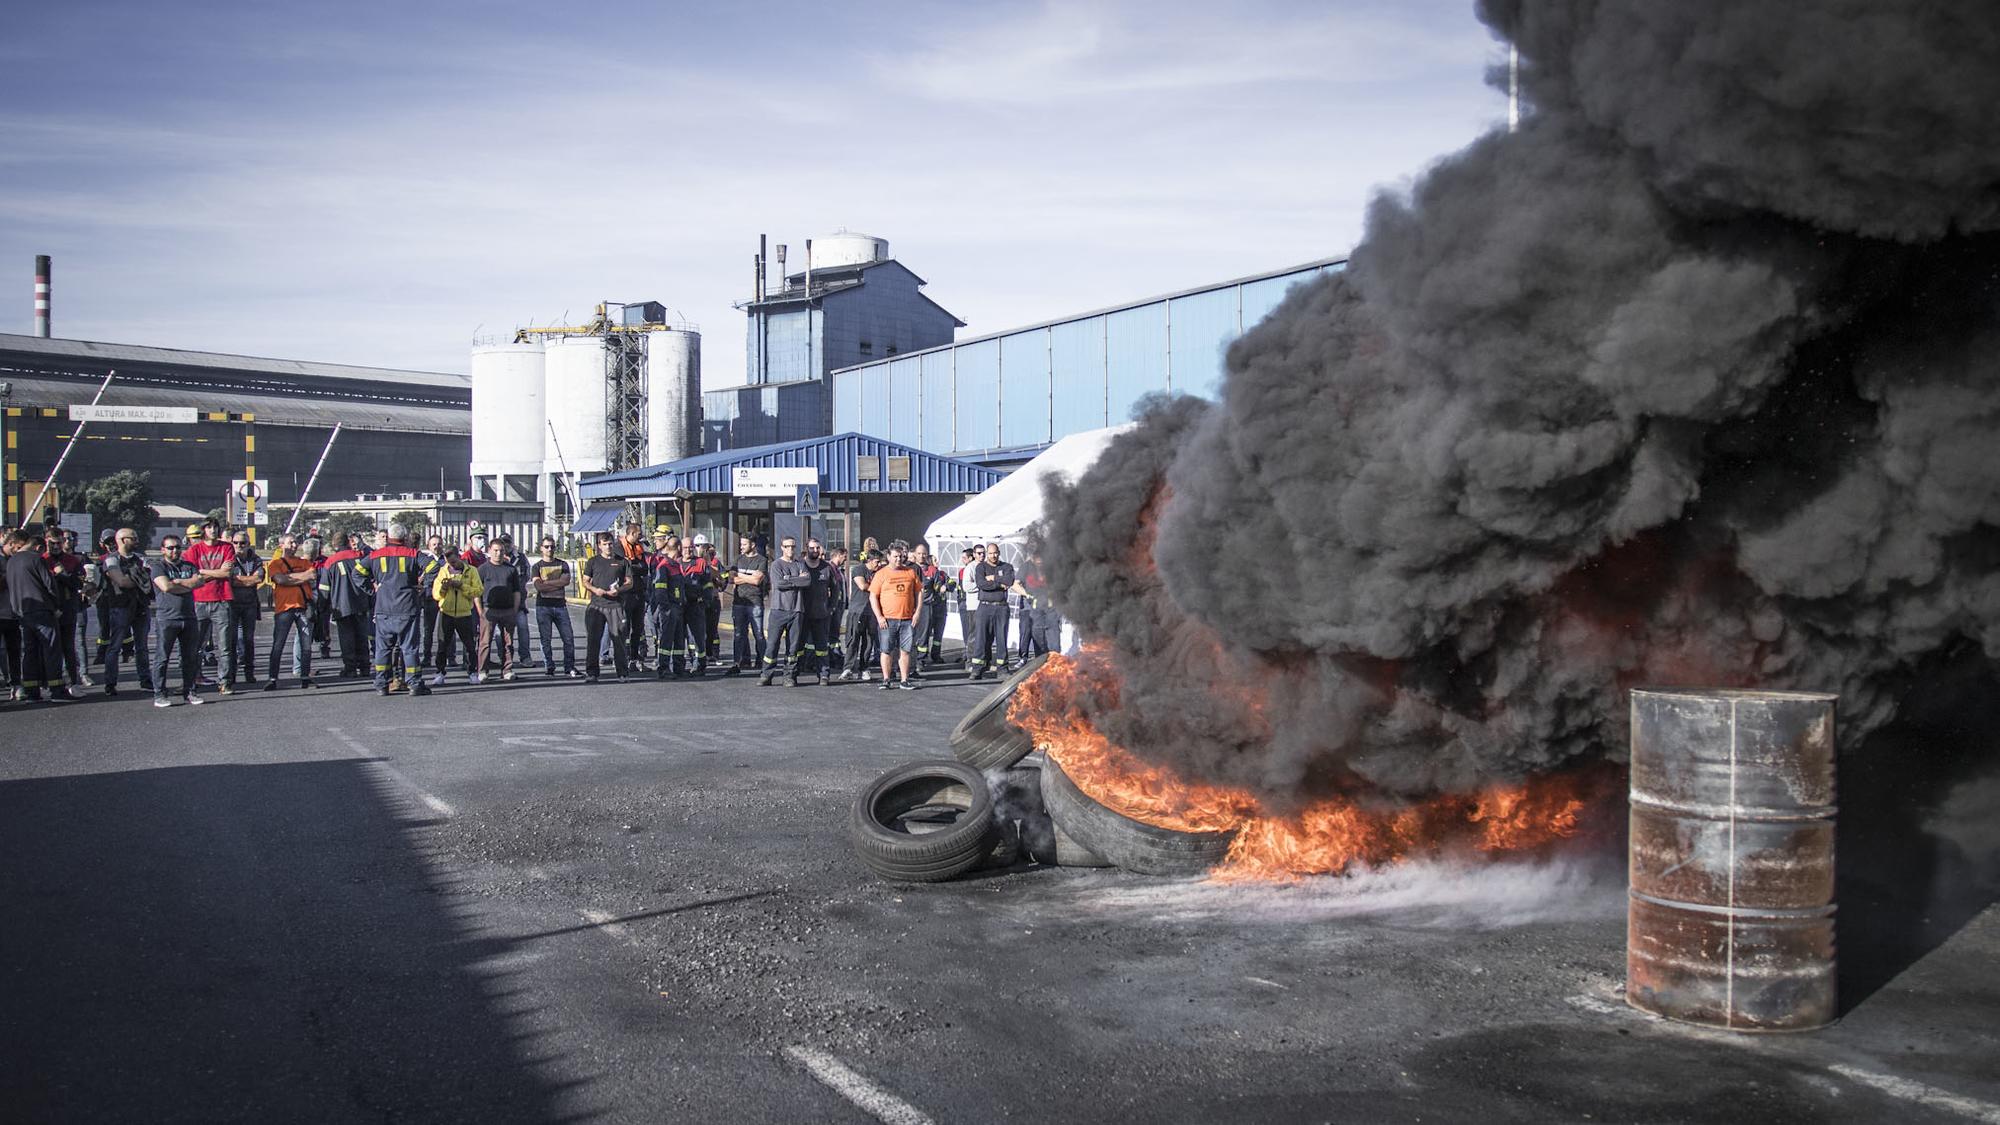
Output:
x=236 y=943
x=1918 y=840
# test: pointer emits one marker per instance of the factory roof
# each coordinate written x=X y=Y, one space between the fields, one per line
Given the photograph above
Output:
x=1099 y=312
x=847 y=463
x=846 y=277
x=295 y=410
x=100 y=354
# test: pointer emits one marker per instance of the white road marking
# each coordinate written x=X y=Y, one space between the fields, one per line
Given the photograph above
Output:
x=639 y=721
x=871 y=1099
x=1928 y=1096
x=431 y=801
x=1268 y=983
x=607 y=923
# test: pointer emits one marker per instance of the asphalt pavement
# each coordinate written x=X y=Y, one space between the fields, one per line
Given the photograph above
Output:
x=545 y=901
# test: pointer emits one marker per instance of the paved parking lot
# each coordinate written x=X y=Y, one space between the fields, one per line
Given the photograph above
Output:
x=545 y=901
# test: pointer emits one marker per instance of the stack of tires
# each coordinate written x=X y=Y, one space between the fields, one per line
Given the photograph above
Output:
x=998 y=803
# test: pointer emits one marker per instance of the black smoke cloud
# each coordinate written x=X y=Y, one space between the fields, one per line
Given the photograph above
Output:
x=1693 y=379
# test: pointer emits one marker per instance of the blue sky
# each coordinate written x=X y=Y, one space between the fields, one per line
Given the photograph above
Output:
x=377 y=183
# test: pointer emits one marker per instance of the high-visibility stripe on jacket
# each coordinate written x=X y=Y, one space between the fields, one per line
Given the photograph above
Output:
x=395 y=571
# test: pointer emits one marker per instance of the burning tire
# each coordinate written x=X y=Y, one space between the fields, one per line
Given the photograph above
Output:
x=1130 y=844
x=984 y=739
x=1046 y=843
x=924 y=822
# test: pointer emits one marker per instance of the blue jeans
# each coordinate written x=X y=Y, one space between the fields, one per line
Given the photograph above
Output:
x=295 y=624
x=214 y=628
x=556 y=617
x=243 y=637
x=184 y=634
x=127 y=622
x=748 y=619
x=899 y=634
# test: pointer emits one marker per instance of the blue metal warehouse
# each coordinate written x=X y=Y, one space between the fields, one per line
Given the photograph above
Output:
x=854 y=304
x=869 y=487
x=1002 y=398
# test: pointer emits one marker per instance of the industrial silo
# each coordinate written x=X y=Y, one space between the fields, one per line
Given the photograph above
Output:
x=575 y=434
x=508 y=384
x=847 y=248
x=673 y=395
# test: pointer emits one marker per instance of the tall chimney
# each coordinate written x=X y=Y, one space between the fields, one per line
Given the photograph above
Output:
x=42 y=295
x=763 y=256
x=781 y=265
x=756 y=277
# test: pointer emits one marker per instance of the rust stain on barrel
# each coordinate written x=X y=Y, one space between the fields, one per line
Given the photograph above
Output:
x=1730 y=921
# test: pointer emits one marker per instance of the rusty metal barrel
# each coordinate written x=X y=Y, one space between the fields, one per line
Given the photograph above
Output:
x=1730 y=914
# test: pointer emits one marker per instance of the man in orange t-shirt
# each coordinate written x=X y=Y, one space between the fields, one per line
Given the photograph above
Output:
x=893 y=594
x=294 y=580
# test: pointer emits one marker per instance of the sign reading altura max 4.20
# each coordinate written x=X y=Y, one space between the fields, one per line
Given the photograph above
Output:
x=156 y=415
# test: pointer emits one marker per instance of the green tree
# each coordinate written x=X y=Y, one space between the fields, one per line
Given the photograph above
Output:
x=336 y=527
x=414 y=521
x=123 y=499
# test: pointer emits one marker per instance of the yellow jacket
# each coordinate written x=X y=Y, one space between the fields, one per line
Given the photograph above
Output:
x=461 y=597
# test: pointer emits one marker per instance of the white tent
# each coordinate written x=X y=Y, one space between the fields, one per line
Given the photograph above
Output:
x=1002 y=514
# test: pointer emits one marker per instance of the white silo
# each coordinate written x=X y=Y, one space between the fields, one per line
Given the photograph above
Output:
x=673 y=395
x=847 y=248
x=576 y=398
x=508 y=385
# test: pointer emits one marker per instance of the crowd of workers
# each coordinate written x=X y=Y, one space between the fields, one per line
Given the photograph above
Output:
x=408 y=616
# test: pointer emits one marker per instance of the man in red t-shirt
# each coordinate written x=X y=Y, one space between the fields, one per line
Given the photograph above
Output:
x=215 y=560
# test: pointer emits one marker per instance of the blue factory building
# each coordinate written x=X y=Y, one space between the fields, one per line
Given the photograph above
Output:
x=1000 y=399
x=852 y=304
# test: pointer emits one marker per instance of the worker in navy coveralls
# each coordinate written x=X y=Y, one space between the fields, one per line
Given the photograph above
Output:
x=396 y=570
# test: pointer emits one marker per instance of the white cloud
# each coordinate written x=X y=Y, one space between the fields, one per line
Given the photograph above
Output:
x=1064 y=50
x=384 y=220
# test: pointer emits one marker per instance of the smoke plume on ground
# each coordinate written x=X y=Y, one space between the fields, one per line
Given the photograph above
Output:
x=1694 y=379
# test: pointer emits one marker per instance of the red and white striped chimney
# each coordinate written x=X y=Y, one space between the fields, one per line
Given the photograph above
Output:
x=41 y=295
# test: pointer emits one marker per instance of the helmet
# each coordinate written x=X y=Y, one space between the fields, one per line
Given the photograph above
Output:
x=663 y=529
x=701 y=540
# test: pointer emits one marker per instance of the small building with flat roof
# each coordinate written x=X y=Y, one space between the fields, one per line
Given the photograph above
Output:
x=867 y=487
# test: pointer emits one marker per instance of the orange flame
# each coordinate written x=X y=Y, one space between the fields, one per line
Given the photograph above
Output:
x=1327 y=837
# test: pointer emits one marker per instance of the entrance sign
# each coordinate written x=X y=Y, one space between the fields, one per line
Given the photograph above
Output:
x=774 y=481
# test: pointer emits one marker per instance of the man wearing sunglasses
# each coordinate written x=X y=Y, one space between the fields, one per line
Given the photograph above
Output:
x=244 y=610
x=174 y=622
x=552 y=577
